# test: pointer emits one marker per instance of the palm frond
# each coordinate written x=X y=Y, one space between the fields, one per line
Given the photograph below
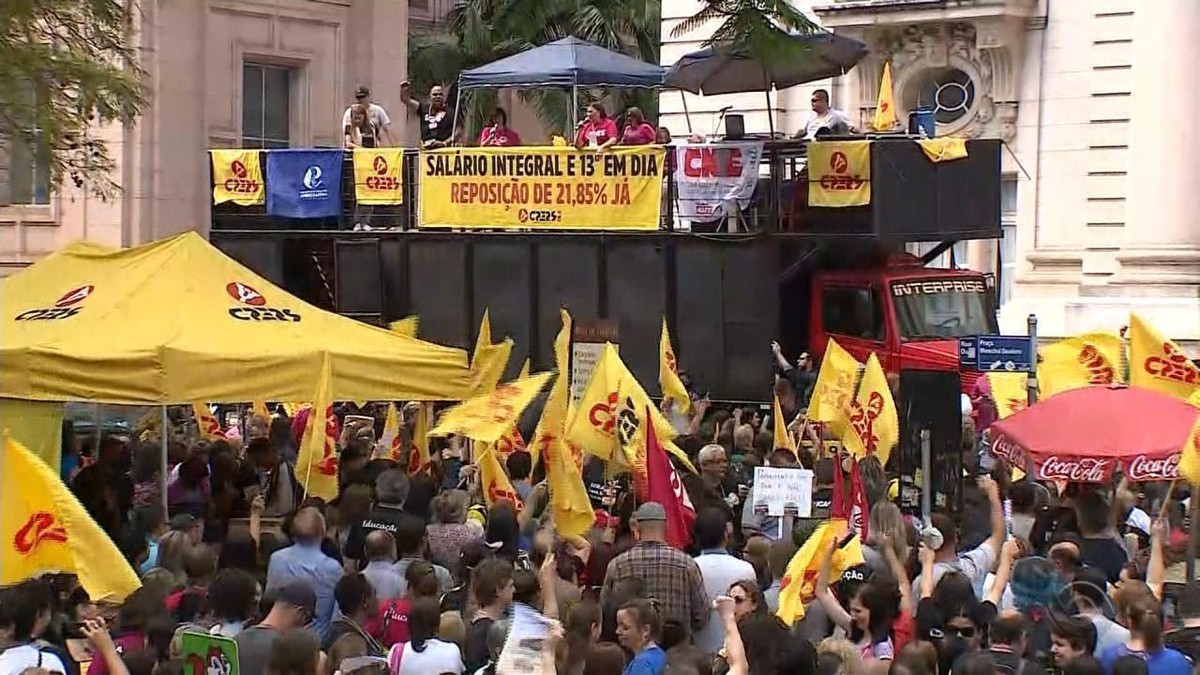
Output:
x=710 y=12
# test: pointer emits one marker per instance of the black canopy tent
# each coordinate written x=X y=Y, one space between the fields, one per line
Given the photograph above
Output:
x=731 y=69
x=569 y=63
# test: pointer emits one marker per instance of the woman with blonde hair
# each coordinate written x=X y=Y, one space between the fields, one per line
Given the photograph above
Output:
x=885 y=523
x=173 y=551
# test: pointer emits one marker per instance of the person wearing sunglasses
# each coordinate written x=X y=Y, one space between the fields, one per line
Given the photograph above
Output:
x=294 y=607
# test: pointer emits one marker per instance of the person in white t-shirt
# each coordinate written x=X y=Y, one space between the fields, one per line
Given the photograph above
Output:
x=822 y=117
x=424 y=653
x=376 y=116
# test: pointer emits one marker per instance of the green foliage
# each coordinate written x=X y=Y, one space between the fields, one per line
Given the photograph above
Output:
x=67 y=66
x=481 y=31
x=760 y=28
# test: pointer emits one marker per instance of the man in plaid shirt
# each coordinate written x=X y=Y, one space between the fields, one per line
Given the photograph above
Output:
x=666 y=574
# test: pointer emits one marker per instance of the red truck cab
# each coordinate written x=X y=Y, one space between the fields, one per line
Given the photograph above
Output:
x=909 y=315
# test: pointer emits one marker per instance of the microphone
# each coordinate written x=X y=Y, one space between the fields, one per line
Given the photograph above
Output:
x=725 y=109
x=580 y=123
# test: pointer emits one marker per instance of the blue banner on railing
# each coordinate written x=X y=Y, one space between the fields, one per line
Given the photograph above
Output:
x=304 y=183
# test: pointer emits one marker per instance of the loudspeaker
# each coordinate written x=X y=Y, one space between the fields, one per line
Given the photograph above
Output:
x=931 y=399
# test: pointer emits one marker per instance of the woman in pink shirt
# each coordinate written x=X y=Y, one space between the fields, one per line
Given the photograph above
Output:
x=637 y=131
x=599 y=131
x=497 y=134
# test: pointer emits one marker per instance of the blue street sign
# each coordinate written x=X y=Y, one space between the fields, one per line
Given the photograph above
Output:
x=966 y=353
x=1011 y=353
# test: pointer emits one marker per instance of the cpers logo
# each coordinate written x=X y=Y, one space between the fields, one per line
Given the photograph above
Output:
x=255 y=305
x=840 y=179
x=241 y=183
x=381 y=180
x=65 y=307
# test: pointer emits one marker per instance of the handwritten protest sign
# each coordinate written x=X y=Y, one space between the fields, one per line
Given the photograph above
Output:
x=781 y=490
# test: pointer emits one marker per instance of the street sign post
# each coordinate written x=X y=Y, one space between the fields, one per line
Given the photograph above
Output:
x=996 y=353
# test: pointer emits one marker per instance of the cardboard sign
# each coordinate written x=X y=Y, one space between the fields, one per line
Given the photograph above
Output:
x=782 y=489
x=205 y=654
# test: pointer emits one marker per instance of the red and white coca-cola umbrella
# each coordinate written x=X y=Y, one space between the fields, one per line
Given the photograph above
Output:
x=1083 y=434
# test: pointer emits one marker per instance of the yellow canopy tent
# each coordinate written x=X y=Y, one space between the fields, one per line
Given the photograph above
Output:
x=178 y=321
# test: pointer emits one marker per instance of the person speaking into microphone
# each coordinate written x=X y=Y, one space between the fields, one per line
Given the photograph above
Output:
x=598 y=132
x=497 y=133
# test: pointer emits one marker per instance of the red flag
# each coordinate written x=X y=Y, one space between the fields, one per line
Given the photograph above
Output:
x=666 y=489
x=859 y=510
x=839 y=508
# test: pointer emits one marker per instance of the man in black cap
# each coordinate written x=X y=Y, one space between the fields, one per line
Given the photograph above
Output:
x=376 y=115
x=295 y=606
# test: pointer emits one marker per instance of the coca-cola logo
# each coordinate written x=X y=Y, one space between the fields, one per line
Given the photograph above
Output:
x=1005 y=448
x=1075 y=470
x=1160 y=468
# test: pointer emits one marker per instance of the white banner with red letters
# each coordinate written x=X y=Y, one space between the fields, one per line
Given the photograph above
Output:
x=709 y=177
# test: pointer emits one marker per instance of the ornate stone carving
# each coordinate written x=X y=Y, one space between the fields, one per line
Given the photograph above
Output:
x=916 y=49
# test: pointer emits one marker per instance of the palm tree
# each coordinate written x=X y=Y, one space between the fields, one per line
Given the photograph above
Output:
x=468 y=38
x=761 y=28
x=481 y=31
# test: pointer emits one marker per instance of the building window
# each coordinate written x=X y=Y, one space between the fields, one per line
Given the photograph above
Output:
x=1008 y=238
x=266 y=106
x=25 y=171
x=948 y=92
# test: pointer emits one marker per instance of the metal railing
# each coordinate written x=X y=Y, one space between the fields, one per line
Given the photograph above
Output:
x=771 y=208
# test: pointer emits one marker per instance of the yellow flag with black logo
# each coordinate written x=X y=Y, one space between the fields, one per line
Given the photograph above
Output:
x=377 y=176
x=237 y=177
x=839 y=173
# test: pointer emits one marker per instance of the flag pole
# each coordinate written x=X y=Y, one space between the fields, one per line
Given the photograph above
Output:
x=162 y=467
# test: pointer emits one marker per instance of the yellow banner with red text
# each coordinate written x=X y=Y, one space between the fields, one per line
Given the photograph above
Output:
x=556 y=188
x=839 y=173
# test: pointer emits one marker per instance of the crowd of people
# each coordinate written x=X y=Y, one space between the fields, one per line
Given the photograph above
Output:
x=367 y=125
x=419 y=574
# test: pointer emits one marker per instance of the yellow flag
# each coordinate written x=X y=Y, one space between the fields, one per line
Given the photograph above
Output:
x=260 y=409
x=668 y=373
x=210 y=428
x=1091 y=358
x=418 y=446
x=44 y=528
x=493 y=480
x=390 y=441
x=485 y=418
x=512 y=440
x=552 y=425
x=377 y=176
x=568 y=496
x=317 y=463
x=484 y=338
x=834 y=388
x=885 y=106
x=1158 y=363
x=1009 y=392
x=783 y=439
x=406 y=326
x=237 y=177
x=612 y=410
x=874 y=424
x=487 y=367
x=799 y=584
x=1189 y=459
x=524 y=370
